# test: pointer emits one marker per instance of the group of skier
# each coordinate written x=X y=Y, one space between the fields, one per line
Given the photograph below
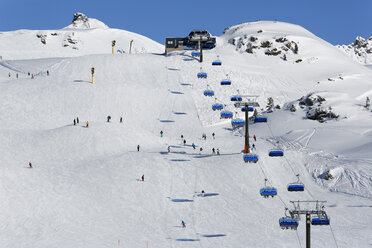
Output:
x=76 y=121
x=32 y=75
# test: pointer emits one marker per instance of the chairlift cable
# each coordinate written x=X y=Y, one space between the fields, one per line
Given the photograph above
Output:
x=298 y=238
x=333 y=235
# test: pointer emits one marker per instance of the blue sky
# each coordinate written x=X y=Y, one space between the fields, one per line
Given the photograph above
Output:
x=337 y=21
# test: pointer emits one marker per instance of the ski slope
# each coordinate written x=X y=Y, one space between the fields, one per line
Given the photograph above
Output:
x=84 y=189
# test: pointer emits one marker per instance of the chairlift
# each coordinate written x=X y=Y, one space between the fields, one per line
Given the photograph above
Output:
x=202 y=74
x=250 y=158
x=217 y=61
x=236 y=98
x=237 y=122
x=217 y=106
x=226 y=114
x=260 y=119
x=268 y=191
x=195 y=54
x=288 y=222
x=320 y=221
x=296 y=186
x=226 y=81
x=208 y=91
x=276 y=153
x=250 y=109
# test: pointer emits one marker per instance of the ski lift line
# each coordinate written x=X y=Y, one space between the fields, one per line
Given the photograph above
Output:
x=333 y=235
x=298 y=238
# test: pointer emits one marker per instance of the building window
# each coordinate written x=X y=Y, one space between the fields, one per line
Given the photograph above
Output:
x=170 y=42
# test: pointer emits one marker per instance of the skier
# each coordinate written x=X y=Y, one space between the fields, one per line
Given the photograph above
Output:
x=28 y=73
x=74 y=122
x=181 y=136
x=108 y=118
x=121 y=119
x=254 y=137
x=143 y=178
x=161 y=133
x=183 y=224
x=87 y=124
x=9 y=74
x=47 y=73
x=193 y=145
x=184 y=142
x=204 y=136
x=202 y=193
x=201 y=149
x=29 y=164
x=213 y=151
x=138 y=147
x=253 y=147
x=32 y=76
x=17 y=75
x=168 y=149
x=77 y=120
x=218 y=151
x=213 y=135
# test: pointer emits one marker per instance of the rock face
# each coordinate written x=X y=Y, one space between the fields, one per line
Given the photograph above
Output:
x=78 y=18
x=81 y=21
x=360 y=50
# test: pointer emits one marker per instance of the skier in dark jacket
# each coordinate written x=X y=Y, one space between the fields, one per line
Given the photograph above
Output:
x=138 y=147
x=161 y=133
x=74 y=122
x=143 y=178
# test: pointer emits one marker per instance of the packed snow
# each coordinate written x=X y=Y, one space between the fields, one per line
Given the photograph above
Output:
x=85 y=187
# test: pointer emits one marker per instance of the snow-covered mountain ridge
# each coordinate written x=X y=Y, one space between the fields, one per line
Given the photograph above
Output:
x=82 y=37
x=85 y=188
x=360 y=50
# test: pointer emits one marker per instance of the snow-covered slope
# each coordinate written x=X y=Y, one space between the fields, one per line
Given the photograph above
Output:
x=82 y=37
x=84 y=189
x=360 y=50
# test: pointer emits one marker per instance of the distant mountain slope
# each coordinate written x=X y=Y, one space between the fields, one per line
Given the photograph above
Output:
x=360 y=50
x=83 y=36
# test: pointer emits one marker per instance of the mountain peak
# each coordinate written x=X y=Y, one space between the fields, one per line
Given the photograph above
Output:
x=81 y=21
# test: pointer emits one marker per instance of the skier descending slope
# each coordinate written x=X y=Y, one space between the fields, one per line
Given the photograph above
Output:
x=183 y=224
x=138 y=147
